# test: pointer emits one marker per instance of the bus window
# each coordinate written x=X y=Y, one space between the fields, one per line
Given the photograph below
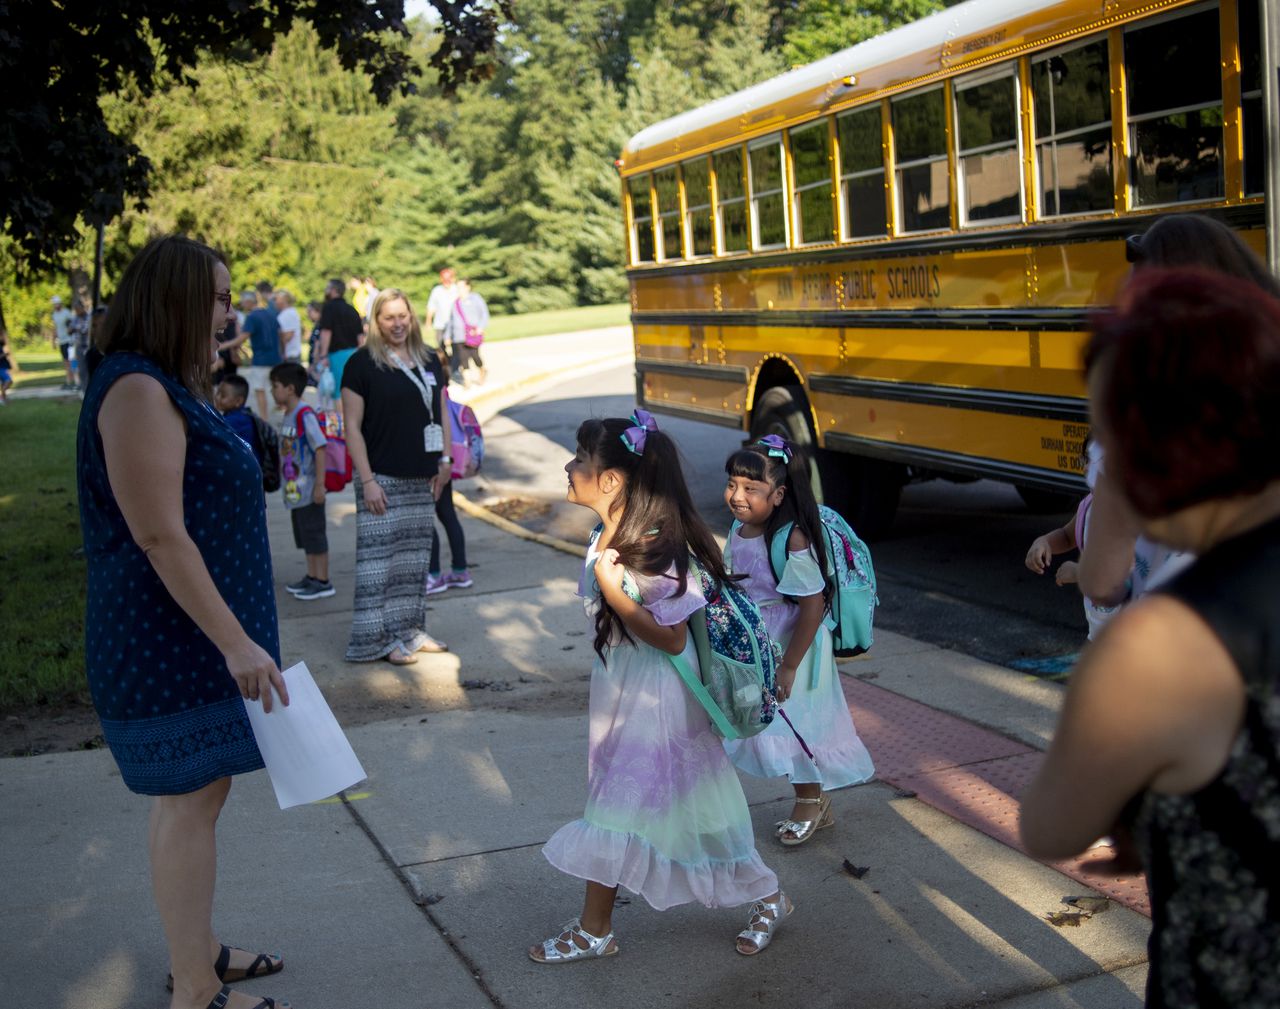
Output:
x=667 y=188
x=768 y=202
x=862 y=172
x=1071 y=95
x=641 y=220
x=1174 y=79
x=1255 y=137
x=920 y=153
x=811 y=162
x=987 y=148
x=731 y=201
x=697 y=201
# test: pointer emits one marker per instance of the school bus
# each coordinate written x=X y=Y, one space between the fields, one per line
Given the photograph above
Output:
x=889 y=255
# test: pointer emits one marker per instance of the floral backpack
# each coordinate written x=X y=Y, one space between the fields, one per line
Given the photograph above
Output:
x=737 y=660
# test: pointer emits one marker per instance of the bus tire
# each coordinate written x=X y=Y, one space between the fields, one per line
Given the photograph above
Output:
x=782 y=411
x=865 y=491
x=1047 y=502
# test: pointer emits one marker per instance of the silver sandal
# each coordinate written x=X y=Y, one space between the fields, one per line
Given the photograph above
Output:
x=758 y=939
x=597 y=946
x=805 y=829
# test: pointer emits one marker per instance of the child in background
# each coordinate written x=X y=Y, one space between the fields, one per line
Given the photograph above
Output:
x=302 y=463
x=665 y=814
x=6 y=366
x=768 y=486
x=229 y=396
x=1060 y=541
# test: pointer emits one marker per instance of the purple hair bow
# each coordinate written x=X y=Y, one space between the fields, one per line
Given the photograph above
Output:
x=776 y=446
x=634 y=437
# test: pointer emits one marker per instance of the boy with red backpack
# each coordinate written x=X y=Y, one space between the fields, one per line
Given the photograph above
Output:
x=302 y=457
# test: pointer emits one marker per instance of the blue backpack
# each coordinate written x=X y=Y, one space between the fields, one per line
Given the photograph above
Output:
x=853 y=603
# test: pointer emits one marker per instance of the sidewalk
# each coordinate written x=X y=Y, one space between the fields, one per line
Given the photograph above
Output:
x=424 y=885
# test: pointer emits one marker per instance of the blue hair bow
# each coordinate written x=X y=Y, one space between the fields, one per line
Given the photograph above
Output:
x=634 y=437
x=776 y=446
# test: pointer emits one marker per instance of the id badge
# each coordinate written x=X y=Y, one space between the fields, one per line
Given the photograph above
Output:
x=433 y=438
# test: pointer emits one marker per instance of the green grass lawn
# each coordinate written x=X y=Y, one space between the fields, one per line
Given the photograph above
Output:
x=561 y=320
x=42 y=577
x=38 y=368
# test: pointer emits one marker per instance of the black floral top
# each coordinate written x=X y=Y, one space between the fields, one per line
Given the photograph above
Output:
x=1213 y=857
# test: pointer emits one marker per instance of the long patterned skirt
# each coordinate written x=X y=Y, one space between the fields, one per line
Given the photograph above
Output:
x=392 y=555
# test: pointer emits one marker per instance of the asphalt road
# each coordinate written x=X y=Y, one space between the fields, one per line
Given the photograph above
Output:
x=950 y=572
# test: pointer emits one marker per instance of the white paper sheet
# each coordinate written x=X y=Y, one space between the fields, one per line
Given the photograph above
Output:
x=306 y=753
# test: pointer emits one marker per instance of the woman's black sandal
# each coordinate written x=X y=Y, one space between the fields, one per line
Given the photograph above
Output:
x=265 y=964
x=220 y=1001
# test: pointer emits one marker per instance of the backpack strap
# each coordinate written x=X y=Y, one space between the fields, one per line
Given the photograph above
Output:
x=778 y=551
x=698 y=628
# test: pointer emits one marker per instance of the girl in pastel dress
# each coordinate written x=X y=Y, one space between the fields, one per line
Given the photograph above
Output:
x=666 y=816
x=768 y=486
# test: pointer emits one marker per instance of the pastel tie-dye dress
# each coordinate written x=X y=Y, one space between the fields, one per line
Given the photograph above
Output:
x=817 y=705
x=666 y=816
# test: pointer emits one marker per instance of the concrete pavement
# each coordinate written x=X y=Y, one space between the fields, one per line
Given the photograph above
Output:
x=423 y=886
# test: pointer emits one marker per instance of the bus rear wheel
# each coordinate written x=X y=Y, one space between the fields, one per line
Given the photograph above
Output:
x=865 y=491
x=782 y=411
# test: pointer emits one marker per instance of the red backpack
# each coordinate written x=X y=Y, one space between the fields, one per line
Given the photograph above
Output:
x=337 y=460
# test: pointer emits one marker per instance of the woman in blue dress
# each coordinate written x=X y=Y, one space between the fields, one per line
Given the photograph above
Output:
x=180 y=631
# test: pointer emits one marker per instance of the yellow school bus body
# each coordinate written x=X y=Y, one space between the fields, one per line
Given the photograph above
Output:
x=955 y=351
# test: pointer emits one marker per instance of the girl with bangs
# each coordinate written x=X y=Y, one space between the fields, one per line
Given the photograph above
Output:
x=769 y=494
x=666 y=816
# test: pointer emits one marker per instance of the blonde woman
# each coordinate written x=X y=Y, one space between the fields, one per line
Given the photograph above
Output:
x=397 y=429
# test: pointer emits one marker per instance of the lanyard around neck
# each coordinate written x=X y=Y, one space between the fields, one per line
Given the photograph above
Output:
x=421 y=386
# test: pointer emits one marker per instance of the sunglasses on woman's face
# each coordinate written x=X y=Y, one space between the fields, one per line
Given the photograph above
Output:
x=223 y=298
x=1133 y=252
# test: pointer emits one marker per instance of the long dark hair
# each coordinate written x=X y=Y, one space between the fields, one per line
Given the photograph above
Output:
x=1179 y=240
x=162 y=308
x=659 y=527
x=753 y=462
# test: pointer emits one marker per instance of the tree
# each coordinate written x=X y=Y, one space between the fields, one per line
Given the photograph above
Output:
x=808 y=30
x=62 y=161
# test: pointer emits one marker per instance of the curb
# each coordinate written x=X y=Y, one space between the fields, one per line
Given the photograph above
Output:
x=462 y=502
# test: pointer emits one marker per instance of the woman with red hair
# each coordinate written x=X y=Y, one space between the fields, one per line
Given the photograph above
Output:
x=1171 y=727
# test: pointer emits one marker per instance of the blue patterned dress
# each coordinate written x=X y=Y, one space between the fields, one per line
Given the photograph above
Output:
x=170 y=711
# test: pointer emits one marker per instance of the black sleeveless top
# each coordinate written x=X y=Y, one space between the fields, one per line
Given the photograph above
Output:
x=1213 y=857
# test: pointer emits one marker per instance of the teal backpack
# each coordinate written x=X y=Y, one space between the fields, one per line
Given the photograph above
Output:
x=853 y=604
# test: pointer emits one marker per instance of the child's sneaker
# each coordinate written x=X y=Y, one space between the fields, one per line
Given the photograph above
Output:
x=436 y=583
x=316 y=590
x=458 y=580
x=299 y=586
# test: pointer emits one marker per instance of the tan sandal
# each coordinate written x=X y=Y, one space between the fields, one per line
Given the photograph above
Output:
x=399 y=657
x=803 y=830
